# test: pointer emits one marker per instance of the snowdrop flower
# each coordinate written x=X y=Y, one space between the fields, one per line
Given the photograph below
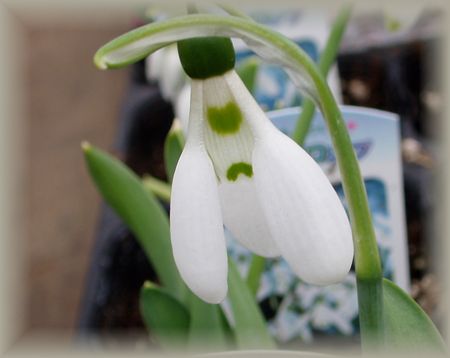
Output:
x=240 y=171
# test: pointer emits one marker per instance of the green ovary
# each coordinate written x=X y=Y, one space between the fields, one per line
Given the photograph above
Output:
x=225 y=120
x=239 y=168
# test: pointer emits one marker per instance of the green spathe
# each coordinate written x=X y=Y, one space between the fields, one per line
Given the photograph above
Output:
x=206 y=57
x=224 y=120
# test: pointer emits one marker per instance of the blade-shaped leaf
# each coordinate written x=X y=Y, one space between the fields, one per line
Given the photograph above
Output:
x=140 y=211
x=327 y=59
x=165 y=316
x=173 y=146
x=206 y=331
x=255 y=272
x=408 y=328
x=247 y=71
x=250 y=326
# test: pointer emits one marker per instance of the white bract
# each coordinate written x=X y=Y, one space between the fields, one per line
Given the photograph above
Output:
x=238 y=170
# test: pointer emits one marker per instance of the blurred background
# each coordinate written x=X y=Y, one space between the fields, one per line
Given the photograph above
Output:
x=83 y=269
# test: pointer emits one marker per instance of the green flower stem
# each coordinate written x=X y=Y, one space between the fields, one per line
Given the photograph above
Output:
x=371 y=306
x=327 y=59
x=367 y=259
x=255 y=271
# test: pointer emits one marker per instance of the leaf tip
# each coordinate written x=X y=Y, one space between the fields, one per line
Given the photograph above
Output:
x=148 y=285
x=99 y=61
x=176 y=126
x=86 y=146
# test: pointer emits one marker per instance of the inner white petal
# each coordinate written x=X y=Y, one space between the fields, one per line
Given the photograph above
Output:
x=243 y=216
x=252 y=112
x=225 y=149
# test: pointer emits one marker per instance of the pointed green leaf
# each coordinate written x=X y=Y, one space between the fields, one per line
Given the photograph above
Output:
x=140 y=211
x=408 y=328
x=247 y=71
x=206 y=331
x=255 y=272
x=173 y=146
x=327 y=59
x=250 y=327
x=165 y=317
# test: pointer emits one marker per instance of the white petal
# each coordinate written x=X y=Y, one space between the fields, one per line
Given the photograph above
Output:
x=196 y=225
x=304 y=213
x=230 y=148
x=252 y=112
x=243 y=216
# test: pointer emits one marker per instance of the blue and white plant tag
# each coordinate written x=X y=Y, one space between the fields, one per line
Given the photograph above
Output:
x=298 y=310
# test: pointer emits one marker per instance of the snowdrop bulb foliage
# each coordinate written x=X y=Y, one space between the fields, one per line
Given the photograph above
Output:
x=237 y=169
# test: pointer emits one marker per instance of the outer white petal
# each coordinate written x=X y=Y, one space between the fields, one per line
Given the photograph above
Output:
x=243 y=216
x=304 y=213
x=196 y=226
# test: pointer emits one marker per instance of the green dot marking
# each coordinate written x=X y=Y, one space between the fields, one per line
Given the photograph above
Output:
x=239 y=168
x=225 y=120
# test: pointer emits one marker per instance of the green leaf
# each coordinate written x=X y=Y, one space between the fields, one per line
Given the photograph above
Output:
x=247 y=72
x=250 y=327
x=206 y=332
x=157 y=187
x=140 y=211
x=164 y=316
x=254 y=273
x=326 y=60
x=144 y=215
x=407 y=326
x=173 y=146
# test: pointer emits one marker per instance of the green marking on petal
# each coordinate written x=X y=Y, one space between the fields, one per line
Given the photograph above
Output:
x=239 y=168
x=225 y=120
